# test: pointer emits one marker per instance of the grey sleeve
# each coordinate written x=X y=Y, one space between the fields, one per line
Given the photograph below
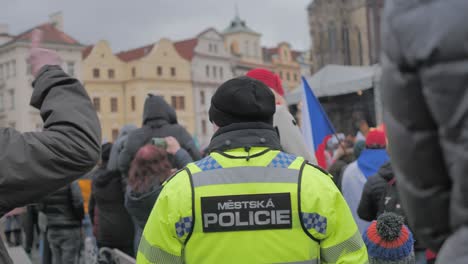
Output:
x=36 y=163
x=415 y=151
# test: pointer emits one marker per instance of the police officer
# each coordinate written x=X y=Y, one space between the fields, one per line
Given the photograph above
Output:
x=249 y=202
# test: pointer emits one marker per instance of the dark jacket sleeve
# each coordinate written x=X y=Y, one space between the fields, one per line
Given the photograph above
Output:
x=36 y=163
x=416 y=151
x=140 y=207
x=186 y=142
x=371 y=197
x=182 y=158
x=77 y=200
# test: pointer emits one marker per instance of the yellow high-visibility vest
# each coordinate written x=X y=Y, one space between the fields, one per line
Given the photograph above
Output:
x=270 y=208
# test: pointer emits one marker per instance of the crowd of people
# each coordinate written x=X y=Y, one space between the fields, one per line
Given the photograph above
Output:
x=255 y=194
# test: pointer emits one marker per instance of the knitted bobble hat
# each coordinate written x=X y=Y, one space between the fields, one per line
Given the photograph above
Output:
x=389 y=241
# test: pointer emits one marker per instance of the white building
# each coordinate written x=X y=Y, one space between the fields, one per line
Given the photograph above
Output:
x=211 y=66
x=15 y=73
x=245 y=47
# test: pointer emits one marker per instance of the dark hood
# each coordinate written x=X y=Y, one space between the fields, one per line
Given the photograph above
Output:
x=386 y=171
x=156 y=108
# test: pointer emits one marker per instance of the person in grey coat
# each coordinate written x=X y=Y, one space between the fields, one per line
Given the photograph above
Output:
x=35 y=164
x=425 y=98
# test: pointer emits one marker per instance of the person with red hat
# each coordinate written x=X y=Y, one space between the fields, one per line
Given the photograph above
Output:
x=284 y=123
x=356 y=174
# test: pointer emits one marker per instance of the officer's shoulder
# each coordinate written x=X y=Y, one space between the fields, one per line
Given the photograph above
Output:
x=311 y=168
x=177 y=178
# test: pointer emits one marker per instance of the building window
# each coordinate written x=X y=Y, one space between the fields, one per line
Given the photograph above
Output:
x=210 y=47
x=12 y=99
x=71 y=68
x=204 y=128
x=221 y=73
x=133 y=103
x=359 y=39
x=111 y=73
x=114 y=106
x=202 y=97
x=13 y=68
x=173 y=71
x=12 y=125
x=285 y=54
x=1 y=71
x=281 y=75
x=255 y=47
x=96 y=73
x=7 y=70
x=28 y=69
x=295 y=77
x=133 y=72
x=332 y=38
x=115 y=134
x=346 y=48
x=159 y=71
x=246 y=48
x=214 y=71
x=288 y=77
x=215 y=48
x=97 y=104
x=178 y=102
x=1 y=102
x=207 y=69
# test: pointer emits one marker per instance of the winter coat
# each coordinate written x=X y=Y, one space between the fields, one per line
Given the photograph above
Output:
x=374 y=188
x=290 y=135
x=115 y=227
x=355 y=176
x=35 y=164
x=139 y=205
x=159 y=120
x=425 y=99
x=64 y=208
x=113 y=163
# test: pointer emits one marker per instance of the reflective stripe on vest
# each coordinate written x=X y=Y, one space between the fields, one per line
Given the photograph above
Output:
x=250 y=209
x=245 y=175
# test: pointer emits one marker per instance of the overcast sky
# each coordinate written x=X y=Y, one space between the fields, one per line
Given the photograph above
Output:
x=130 y=24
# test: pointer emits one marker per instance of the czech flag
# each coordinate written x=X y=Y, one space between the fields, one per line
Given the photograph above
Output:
x=316 y=126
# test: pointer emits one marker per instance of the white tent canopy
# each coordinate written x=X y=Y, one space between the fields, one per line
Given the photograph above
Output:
x=337 y=80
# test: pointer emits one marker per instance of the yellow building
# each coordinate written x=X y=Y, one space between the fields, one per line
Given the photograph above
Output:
x=283 y=60
x=157 y=69
x=104 y=76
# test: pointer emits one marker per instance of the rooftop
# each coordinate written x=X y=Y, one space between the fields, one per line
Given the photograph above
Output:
x=238 y=26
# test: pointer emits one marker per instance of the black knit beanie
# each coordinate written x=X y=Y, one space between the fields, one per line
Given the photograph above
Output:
x=240 y=100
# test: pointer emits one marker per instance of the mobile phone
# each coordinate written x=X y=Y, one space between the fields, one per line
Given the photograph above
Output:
x=159 y=142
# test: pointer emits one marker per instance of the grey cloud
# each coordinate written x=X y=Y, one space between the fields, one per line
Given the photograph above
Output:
x=130 y=24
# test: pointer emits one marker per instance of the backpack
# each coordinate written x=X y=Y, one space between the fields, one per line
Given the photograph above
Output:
x=390 y=201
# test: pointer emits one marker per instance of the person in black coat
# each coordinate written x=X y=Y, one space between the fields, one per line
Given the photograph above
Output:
x=159 y=121
x=115 y=227
x=425 y=99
